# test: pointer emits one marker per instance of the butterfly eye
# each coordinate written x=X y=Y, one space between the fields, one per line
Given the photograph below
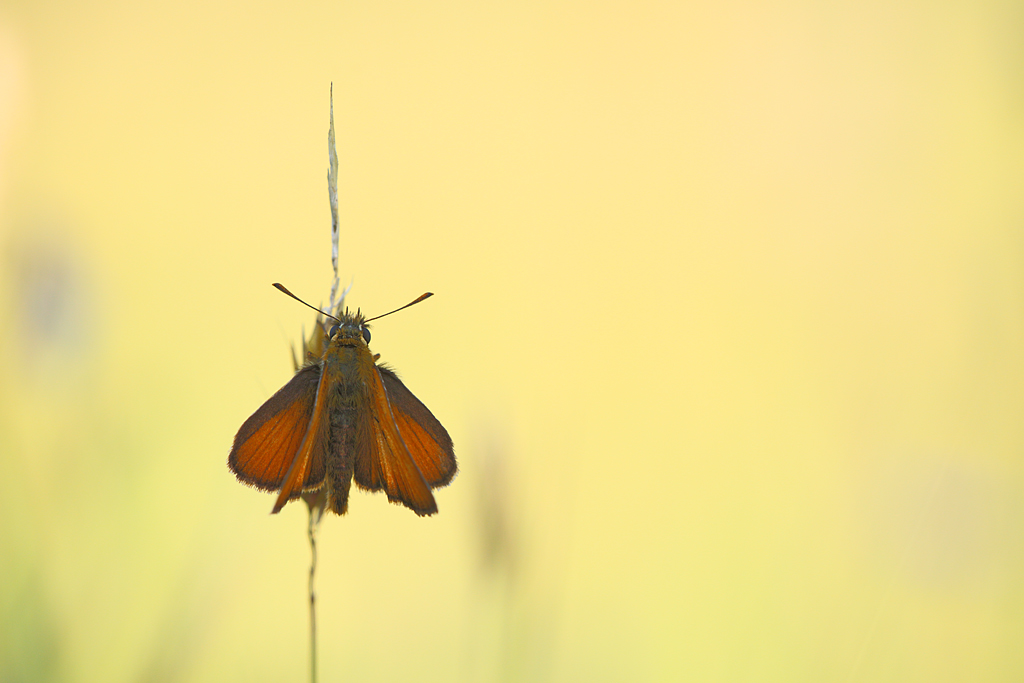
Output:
x=333 y=331
x=366 y=335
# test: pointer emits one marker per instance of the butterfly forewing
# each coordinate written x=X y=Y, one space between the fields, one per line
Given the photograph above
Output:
x=425 y=438
x=309 y=457
x=268 y=441
x=387 y=463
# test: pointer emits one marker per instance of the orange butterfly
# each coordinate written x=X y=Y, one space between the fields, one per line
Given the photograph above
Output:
x=340 y=417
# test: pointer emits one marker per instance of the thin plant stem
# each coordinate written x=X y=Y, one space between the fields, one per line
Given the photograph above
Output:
x=312 y=600
x=332 y=194
x=315 y=512
x=317 y=500
x=312 y=348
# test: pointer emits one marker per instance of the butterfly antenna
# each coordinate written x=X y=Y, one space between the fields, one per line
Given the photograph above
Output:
x=419 y=299
x=285 y=290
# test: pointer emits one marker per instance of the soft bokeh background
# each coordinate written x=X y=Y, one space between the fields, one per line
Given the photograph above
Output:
x=728 y=333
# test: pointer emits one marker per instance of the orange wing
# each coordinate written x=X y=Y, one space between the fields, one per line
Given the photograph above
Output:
x=387 y=464
x=313 y=448
x=267 y=443
x=428 y=442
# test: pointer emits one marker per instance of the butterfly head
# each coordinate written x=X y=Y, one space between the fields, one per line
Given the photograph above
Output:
x=350 y=327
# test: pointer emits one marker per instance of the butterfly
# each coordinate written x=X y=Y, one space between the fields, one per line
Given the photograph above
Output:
x=343 y=417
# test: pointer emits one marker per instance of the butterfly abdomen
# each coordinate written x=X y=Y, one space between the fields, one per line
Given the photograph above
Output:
x=348 y=400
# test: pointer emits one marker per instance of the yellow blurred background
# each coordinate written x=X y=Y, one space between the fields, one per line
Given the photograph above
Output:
x=728 y=334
